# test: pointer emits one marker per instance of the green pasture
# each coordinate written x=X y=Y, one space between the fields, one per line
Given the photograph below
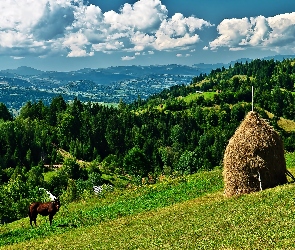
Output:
x=191 y=97
x=177 y=213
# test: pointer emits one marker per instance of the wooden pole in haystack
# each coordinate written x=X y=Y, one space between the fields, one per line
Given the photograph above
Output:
x=252 y=99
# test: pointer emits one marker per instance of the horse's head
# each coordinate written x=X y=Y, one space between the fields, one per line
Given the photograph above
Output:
x=56 y=203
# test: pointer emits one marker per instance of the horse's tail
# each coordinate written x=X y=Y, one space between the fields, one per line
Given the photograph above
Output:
x=290 y=174
x=30 y=209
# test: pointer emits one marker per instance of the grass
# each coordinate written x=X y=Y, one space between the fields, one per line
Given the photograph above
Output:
x=48 y=175
x=262 y=220
x=287 y=125
x=184 y=213
x=192 y=97
x=113 y=206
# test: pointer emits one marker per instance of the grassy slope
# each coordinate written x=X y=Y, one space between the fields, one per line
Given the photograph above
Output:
x=287 y=125
x=115 y=205
x=256 y=221
x=186 y=213
x=194 y=96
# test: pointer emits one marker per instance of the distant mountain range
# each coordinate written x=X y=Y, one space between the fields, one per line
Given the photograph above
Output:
x=243 y=60
x=106 y=85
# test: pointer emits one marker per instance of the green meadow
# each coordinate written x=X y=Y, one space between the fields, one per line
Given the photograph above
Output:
x=188 y=212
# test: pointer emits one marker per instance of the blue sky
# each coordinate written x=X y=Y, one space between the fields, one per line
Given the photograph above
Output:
x=68 y=35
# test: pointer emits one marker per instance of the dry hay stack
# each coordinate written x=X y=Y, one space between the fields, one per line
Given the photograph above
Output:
x=254 y=157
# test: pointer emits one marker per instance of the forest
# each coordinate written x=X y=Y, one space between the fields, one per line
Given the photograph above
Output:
x=180 y=131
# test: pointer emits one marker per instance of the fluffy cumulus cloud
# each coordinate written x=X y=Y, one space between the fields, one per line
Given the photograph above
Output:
x=275 y=33
x=178 y=31
x=38 y=32
x=127 y=58
x=74 y=29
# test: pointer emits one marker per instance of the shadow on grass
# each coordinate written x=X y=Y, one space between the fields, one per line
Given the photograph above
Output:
x=67 y=225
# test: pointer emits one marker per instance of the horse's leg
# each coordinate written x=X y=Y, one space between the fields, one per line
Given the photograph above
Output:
x=29 y=213
x=35 y=220
x=34 y=217
x=50 y=218
x=31 y=218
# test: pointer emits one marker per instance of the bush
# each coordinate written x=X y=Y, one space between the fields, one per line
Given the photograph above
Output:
x=15 y=197
x=58 y=182
x=187 y=162
x=135 y=162
x=71 y=194
x=73 y=170
x=110 y=164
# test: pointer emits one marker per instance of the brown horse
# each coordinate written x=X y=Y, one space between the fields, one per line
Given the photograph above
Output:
x=47 y=208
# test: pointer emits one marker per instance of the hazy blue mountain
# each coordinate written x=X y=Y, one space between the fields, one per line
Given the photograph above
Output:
x=23 y=70
x=107 y=85
x=279 y=57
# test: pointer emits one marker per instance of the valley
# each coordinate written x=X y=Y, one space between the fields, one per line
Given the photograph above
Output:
x=110 y=85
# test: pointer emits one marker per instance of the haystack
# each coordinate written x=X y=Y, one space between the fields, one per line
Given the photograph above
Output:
x=254 y=158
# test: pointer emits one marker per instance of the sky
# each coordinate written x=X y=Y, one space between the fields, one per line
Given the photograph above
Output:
x=65 y=35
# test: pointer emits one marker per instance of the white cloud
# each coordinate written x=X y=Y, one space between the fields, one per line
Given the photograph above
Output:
x=205 y=48
x=143 y=15
x=78 y=52
x=24 y=32
x=17 y=57
x=54 y=20
x=231 y=31
x=72 y=28
x=151 y=52
x=127 y=58
x=112 y=45
x=141 y=41
x=236 y=49
x=274 y=33
x=179 y=55
x=178 y=32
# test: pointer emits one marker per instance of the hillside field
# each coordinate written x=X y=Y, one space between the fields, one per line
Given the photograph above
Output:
x=182 y=213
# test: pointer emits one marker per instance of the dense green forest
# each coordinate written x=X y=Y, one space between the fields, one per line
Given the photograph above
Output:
x=179 y=131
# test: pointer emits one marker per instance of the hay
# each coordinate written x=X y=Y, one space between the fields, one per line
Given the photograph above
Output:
x=254 y=158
